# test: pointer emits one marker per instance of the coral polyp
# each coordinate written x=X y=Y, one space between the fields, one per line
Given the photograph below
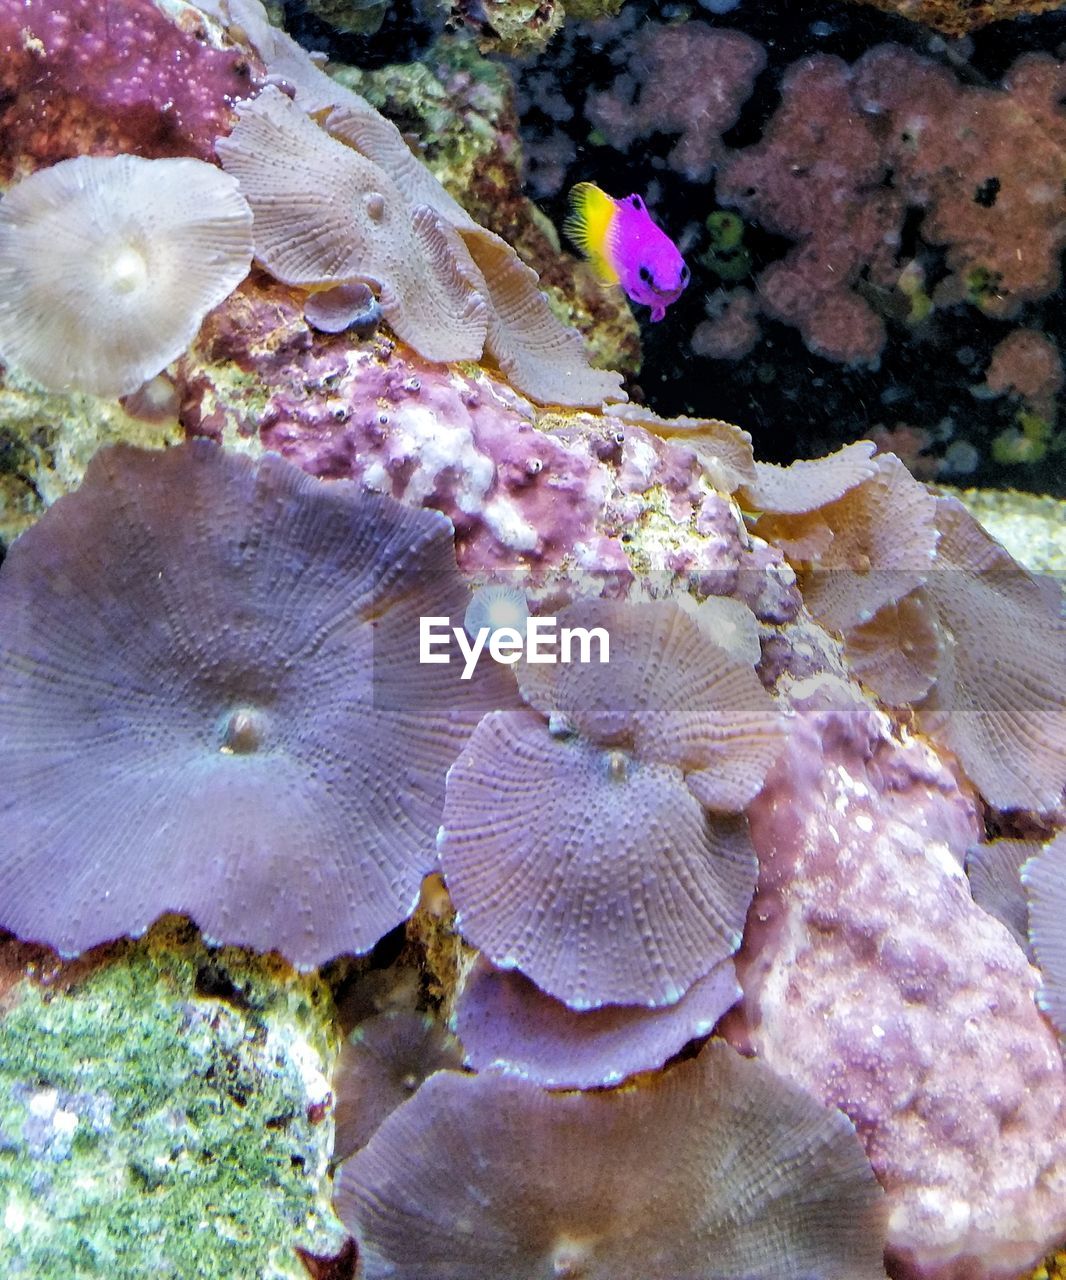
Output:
x=220 y=697
x=714 y=1159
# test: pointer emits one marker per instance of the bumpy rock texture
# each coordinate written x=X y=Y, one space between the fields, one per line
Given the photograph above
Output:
x=81 y=77
x=871 y=978
x=163 y=1112
x=958 y=17
x=454 y=438
x=869 y=975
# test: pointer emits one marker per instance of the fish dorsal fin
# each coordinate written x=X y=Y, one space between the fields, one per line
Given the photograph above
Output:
x=589 y=225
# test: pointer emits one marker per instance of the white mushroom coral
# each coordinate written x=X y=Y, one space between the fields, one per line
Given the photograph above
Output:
x=108 y=265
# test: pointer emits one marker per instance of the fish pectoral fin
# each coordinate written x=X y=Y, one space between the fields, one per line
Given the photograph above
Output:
x=588 y=226
x=603 y=271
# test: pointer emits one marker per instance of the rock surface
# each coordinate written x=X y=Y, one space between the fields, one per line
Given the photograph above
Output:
x=163 y=1112
x=872 y=978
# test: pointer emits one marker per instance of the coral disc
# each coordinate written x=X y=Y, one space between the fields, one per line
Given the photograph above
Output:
x=211 y=703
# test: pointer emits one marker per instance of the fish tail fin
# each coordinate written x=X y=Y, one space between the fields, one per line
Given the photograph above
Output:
x=588 y=225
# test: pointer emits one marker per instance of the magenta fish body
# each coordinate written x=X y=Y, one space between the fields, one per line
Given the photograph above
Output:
x=625 y=247
x=649 y=265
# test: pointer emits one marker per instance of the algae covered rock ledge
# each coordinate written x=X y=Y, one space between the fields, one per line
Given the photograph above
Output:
x=163 y=1112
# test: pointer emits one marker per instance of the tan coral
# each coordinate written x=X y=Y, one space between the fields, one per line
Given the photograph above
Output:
x=539 y=355
x=325 y=214
x=808 y=484
x=868 y=543
x=359 y=125
x=897 y=653
x=998 y=700
x=961 y=17
x=542 y=357
x=723 y=450
x=884 y=539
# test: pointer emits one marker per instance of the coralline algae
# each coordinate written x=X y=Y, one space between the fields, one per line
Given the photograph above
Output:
x=872 y=978
x=524 y=488
x=84 y=77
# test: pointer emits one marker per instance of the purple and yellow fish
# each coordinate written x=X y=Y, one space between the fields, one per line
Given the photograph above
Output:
x=625 y=247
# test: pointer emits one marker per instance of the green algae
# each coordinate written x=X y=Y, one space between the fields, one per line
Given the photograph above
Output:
x=47 y=440
x=356 y=17
x=163 y=1115
x=982 y=286
x=453 y=100
x=726 y=254
x=1026 y=442
x=521 y=28
x=586 y=10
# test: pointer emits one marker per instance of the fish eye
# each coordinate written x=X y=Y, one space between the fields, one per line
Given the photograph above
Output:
x=645 y=275
x=636 y=202
x=685 y=273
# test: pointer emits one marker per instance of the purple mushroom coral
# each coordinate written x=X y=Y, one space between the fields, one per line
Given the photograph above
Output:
x=381 y=1064
x=506 y=1022
x=715 y=1168
x=995 y=874
x=594 y=840
x=211 y=703
x=862 y=530
x=1045 y=883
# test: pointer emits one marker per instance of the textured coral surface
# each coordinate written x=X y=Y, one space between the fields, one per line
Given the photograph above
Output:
x=83 y=77
x=163 y=1112
x=957 y=17
x=870 y=976
x=165 y=1107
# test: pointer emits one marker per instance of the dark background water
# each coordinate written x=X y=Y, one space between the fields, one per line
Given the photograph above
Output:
x=923 y=394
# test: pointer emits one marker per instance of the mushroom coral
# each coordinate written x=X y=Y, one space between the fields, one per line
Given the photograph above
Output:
x=300 y=200
x=506 y=1022
x=714 y=1168
x=933 y=613
x=1044 y=877
x=324 y=214
x=108 y=265
x=344 y=306
x=995 y=874
x=998 y=700
x=864 y=539
x=809 y=483
x=897 y=653
x=211 y=703
x=594 y=840
x=381 y=1064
